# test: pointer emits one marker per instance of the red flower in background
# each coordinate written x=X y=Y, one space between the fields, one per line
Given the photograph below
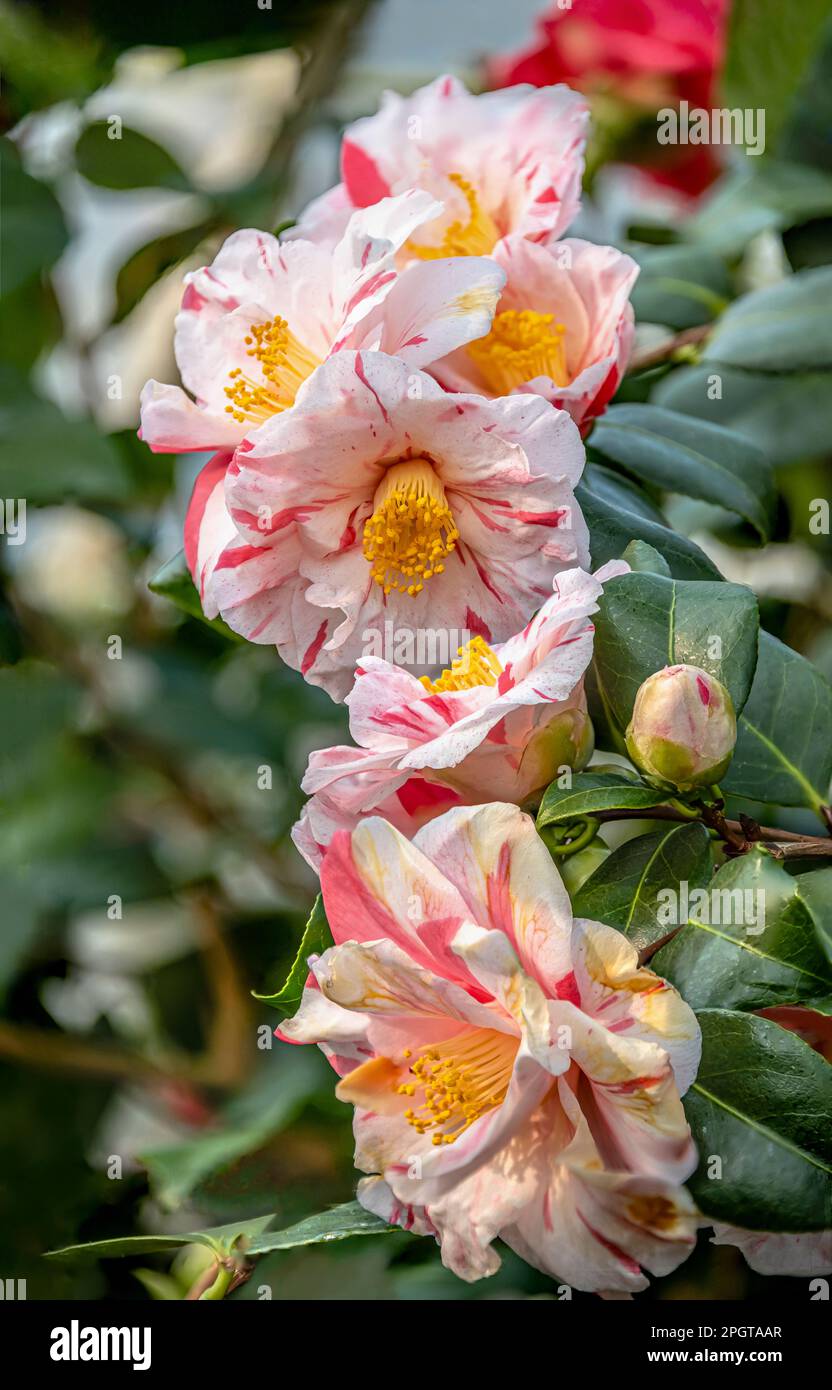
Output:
x=649 y=53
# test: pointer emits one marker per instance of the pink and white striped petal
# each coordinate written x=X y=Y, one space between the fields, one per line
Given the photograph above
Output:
x=508 y=882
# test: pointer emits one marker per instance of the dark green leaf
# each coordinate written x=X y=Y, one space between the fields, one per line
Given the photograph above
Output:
x=45 y=457
x=614 y=520
x=784 y=737
x=646 y=622
x=749 y=943
x=762 y=1105
x=11 y=636
x=316 y=938
x=789 y=416
x=622 y=492
x=815 y=891
x=125 y=160
x=783 y=328
x=30 y=323
x=174 y=581
x=22 y=914
x=624 y=891
x=32 y=229
x=596 y=791
x=693 y=457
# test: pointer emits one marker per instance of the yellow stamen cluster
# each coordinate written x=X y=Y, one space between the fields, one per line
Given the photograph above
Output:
x=522 y=345
x=459 y=1080
x=411 y=530
x=285 y=364
x=475 y=237
x=476 y=664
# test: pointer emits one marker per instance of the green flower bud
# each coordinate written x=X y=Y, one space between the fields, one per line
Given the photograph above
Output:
x=566 y=740
x=683 y=729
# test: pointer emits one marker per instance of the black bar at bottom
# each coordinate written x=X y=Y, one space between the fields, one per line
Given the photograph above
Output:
x=56 y=1340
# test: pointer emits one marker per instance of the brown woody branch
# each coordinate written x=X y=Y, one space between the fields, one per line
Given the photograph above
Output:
x=738 y=835
x=666 y=351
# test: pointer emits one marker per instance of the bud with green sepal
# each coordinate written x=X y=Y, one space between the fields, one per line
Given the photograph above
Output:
x=683 y=728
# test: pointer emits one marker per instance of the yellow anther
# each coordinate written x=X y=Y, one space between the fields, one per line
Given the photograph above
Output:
x=411 y=530
x=476 y=236
x=475 y=664
x=522 y=345
x=470 y=1073
x=284 y=366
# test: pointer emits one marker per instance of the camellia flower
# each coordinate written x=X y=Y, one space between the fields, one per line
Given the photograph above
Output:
x=379 y=498
x=514 y=1073
x=683 y=728
x=500 y=724
x=647 y=53
x=563 y=328
x=255 y=324
x=502 y=162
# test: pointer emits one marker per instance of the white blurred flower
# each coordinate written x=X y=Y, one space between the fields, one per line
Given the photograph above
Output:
x=73 y=565
x=217 y=118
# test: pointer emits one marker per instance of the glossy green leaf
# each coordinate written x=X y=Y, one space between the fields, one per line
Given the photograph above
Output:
x=350 y=1219
x=815 y=891
x=643 y=559
x=784 y=735
x=761 y=1104
x=783 y=328
x=646 y=622
x=316 y=938
x=693 y=457
x=624 y=891
x=591 y=792
x=750 y=943
x=615 y=518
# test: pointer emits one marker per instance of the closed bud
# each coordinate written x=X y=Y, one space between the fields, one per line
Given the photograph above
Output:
x=683 y=729
x=567 y=739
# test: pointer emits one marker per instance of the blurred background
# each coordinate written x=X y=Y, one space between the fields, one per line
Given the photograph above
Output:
x=150 y=767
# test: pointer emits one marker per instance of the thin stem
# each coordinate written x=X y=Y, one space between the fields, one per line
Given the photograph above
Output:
x=653 y=357
x=739 y=835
